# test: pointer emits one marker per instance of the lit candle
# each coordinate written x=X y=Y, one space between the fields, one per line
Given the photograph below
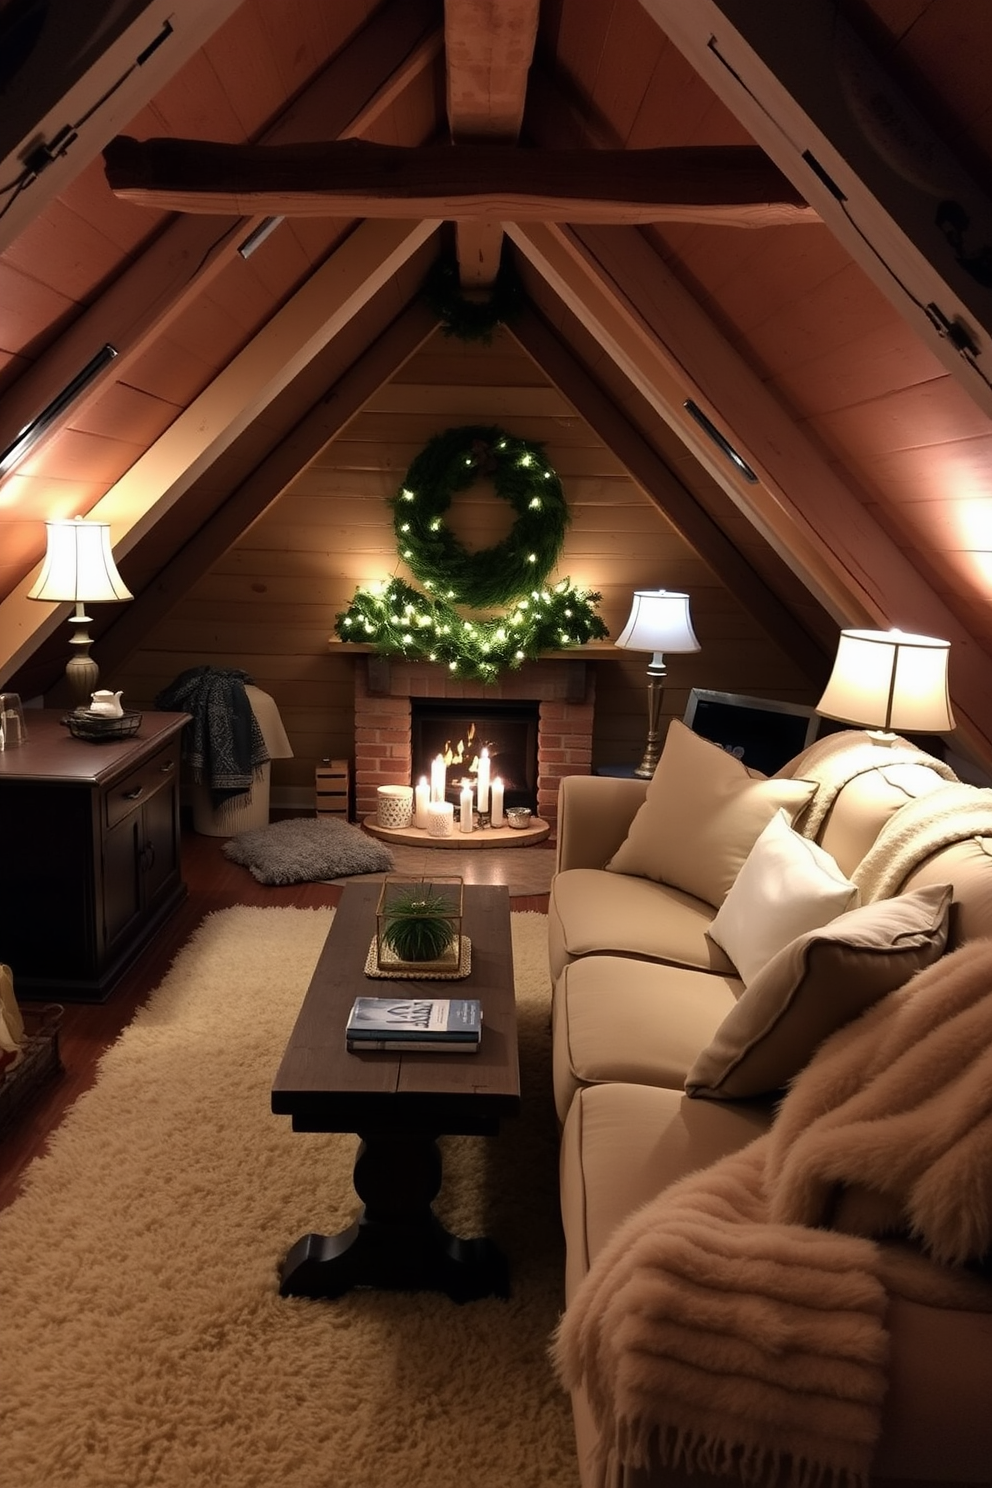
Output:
x=467 y=813
x=496 y=808
x=423 y=796
x=482 y=781
x=438 y=778
x=440 y=819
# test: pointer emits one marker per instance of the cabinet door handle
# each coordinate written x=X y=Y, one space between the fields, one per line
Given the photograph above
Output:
x=132 y=795
x=168 y=767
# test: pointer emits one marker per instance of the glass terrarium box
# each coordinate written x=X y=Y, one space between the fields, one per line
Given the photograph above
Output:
x=419 y=924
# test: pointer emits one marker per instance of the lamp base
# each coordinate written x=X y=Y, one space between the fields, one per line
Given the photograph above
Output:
x=652 y=749
x=82 y=672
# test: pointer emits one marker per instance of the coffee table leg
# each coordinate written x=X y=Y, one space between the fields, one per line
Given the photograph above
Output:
x=398 y=1243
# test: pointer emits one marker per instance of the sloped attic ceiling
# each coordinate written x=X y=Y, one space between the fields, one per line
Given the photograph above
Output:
x=845 y=357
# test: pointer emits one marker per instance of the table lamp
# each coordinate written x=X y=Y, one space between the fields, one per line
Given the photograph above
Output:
x=658 y=622
x=886 y=681
x=79 y=566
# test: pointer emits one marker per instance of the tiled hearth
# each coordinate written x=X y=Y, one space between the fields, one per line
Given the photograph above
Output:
x=563 y=689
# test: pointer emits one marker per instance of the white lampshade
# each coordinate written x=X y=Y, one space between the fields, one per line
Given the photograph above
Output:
x=658 y=621
x=79 y=564
x=886 y=679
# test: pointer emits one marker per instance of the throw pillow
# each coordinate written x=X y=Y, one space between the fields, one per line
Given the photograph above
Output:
x=787 y=886
x=815 y=985
x=307 y=849
x=701 y=816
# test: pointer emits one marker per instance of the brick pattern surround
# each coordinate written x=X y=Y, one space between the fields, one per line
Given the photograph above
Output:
x=382 y=721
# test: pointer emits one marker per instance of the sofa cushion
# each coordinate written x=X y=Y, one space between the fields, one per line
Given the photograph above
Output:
x=622 y=1144
x=591 y=912
x=819 y=982
x=636 y=1021
x=787 y=885
x=701 y=816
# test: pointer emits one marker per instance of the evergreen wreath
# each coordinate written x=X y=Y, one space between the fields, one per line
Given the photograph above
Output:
x=467 y=319
x=397 y=620
x=453 y=461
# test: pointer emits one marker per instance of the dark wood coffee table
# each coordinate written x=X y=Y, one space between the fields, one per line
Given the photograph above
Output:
x=399 y=1104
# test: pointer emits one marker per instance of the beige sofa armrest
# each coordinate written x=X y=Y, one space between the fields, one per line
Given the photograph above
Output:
x=594 y=816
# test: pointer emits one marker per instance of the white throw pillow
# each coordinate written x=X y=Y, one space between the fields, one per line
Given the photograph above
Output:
x=786 y=886
x=702 y=814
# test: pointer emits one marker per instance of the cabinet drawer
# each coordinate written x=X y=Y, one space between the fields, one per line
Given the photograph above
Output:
x=130 y=793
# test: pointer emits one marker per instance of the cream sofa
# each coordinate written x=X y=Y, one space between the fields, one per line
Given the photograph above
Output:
x=641 y=990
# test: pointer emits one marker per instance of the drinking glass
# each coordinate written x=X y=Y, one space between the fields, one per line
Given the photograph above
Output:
x=12 y=729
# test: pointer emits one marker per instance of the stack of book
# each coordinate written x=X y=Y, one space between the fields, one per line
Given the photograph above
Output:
x=414 y=1025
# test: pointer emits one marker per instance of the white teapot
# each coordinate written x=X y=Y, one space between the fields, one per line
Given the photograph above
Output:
x=106 y=704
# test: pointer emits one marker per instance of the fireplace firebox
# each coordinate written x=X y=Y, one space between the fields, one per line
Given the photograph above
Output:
x=459 y=731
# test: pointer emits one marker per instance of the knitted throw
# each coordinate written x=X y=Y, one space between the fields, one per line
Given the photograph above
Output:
x=736 y=1324
x=223 y=742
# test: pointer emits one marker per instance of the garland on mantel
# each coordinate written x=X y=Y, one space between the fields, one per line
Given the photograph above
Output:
x=397 y=620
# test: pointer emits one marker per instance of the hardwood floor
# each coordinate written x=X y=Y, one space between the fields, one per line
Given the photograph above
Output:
x=87 y=1029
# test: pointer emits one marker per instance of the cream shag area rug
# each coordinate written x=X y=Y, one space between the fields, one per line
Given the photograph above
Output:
x=143 y=1339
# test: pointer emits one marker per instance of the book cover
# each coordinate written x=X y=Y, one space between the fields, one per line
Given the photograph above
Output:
x=430 y=1019
x=413 y=1046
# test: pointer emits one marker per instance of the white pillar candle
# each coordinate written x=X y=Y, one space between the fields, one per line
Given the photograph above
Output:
x=440 y=819
x=423 y=796
x=438 y=778
x=467 y=813
x=482 y=780
x=496 y=804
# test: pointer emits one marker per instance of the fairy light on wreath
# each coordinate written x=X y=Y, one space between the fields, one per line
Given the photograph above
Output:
x=397 y=620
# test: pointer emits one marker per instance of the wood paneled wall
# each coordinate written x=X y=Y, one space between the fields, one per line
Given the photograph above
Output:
x=268 y=606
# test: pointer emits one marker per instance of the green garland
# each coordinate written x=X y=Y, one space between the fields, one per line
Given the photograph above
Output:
x=399 y=621
x=466 y=319
x=521 y=475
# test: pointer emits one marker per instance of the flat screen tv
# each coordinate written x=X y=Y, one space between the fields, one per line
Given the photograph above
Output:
x=764 y=734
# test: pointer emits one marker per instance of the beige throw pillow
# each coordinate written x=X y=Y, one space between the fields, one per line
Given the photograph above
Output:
x=702 y=814
x=786 y=887
x=819 y=982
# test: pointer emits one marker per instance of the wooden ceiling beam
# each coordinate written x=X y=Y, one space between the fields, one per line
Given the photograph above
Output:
x=552 y=352
x=90 y=70
x=387 y=56
x=309 y=320
x=808 y=89
x=494 y=183
x=671 y=351
x=489 y=47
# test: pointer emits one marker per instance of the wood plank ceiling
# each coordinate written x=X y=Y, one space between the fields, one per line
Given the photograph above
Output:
x=847 y=358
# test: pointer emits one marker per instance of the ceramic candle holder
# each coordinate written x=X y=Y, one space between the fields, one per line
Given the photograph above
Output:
x=394 y=806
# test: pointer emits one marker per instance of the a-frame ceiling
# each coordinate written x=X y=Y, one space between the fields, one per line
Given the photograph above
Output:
x=842 y=347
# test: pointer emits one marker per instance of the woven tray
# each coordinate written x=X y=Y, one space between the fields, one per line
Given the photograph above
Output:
x=422 y=971
x=42 y=1061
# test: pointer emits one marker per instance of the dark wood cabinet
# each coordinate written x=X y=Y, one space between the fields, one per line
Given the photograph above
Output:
x=89 y=853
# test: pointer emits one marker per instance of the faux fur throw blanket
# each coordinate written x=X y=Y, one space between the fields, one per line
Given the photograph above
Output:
x=736 y=1324
x=921 y=827
x=836 y=759
x=223 y=742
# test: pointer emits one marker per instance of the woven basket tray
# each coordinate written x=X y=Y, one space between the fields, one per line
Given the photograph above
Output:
x=96 y=726
x=42 y=1060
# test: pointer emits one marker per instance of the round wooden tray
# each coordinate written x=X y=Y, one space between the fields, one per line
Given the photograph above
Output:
x=481 y=837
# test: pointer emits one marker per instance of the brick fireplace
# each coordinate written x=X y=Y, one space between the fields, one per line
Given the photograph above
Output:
x=564 y=690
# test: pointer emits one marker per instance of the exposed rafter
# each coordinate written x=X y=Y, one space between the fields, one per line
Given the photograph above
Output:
x=355 y=178
x=352 y=93
x=489 y=45
x=810 y=92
